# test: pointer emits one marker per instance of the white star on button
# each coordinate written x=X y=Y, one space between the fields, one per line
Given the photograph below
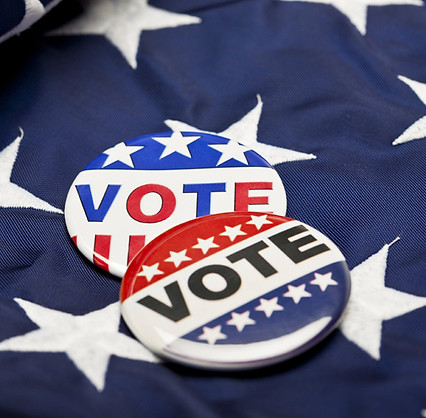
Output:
x=120 y=152
x=88 y=340
x=241 y=320
x=211 y=335
x=150 y=271
x=269 y=306
x=177 y=257
x=205 y=244
x=231 y=150
x=232 y=232
x=323 y=281
x=176 y=143
x=11 y=195
x=258 y=221
x=297 y=293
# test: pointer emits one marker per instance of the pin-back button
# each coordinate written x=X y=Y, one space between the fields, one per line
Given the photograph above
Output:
x=235 y=290
x=138 y=189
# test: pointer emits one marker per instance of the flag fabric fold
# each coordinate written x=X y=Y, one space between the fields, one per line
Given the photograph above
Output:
x=18 y=16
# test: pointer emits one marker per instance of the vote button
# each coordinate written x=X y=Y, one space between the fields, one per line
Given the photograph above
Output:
x=235 y=290
x=138 y=189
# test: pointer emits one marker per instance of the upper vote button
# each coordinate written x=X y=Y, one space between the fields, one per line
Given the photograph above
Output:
x=138 y=189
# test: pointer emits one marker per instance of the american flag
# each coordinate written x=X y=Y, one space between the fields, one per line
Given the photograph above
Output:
x=332 y=93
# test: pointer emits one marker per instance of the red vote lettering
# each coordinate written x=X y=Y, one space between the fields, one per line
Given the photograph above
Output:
x=101 y=251
x=242 y=198
x=136 y=243
x=168 y=203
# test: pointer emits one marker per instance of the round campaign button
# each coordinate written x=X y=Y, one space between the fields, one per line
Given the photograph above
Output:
x=138 y=189
x=235 y=291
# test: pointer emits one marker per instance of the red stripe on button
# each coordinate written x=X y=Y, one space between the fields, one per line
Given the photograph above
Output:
x=101 y=251
x=136 y=243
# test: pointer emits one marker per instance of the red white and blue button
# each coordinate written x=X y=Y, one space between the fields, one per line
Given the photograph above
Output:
x=235 y=291
x=138 y=189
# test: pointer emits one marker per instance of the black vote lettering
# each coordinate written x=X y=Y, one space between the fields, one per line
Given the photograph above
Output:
x=177 y=309
x=197 y=287
x=251 y=254
x=291 y=248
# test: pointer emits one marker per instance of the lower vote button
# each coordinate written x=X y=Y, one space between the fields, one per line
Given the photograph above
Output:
x=235 y=291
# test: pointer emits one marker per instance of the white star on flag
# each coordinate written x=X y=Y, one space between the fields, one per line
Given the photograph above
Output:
x=34 y=10
x=418 y=129
x=177 y=257
x=88 y=340
x=122 y=22
x=297 y=293
x=269 y=306
x=150 y=271
x=258 y=221
x=241 y=320
x=323 y=281
x=205 y=244
x=176 y=143
x=371 y=303
x=232 y=232
x=11 y=195
x=121 y=152
x=231 y=150
x=356 y=10
x=245 y=132
x=211 y=335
